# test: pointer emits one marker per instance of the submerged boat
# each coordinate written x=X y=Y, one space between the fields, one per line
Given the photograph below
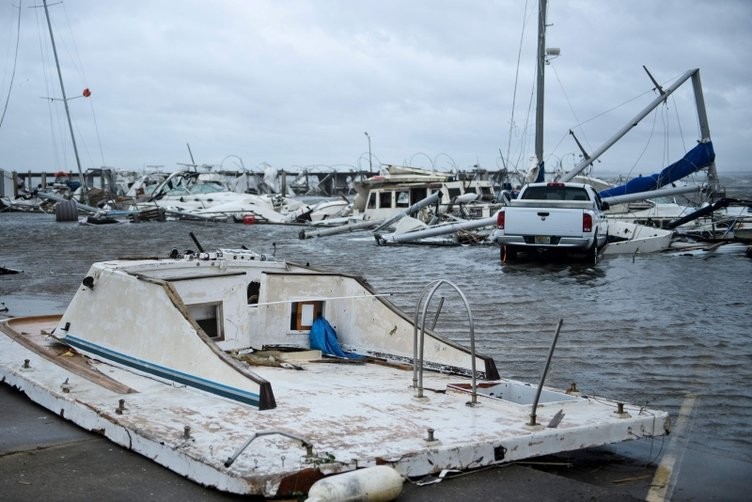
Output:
x=625 y=237
x=257 y=376
x=397 y=188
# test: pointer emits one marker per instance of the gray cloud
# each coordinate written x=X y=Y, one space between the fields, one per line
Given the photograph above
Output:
x=296 y=83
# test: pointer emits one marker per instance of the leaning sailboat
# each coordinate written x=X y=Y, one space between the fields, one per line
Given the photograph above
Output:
x=84 y=195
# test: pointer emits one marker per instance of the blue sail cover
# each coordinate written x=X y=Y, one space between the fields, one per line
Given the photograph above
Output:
x=700 y=156
x=324 y=338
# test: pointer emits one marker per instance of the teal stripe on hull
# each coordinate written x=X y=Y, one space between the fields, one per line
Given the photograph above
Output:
x=165 y=372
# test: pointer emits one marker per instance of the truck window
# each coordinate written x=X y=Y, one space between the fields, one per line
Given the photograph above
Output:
x=555 y=193
x=575 y=193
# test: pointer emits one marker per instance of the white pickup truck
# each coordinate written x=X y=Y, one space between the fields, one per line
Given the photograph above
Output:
x=558 y=217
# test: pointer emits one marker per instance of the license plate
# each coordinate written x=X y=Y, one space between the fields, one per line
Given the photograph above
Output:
x=543 y=239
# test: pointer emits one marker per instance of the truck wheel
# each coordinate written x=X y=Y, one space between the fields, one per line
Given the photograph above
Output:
x=508 y=253
x=593 y=252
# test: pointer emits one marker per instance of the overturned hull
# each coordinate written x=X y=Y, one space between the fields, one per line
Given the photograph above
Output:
x=625 y=237
x=173 y=385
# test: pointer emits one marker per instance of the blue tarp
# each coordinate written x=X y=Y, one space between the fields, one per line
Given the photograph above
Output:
x=324 y=338
x=700 y=156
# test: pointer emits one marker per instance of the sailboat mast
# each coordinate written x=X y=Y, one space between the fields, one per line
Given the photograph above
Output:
x=540 y=84
x=65 y=102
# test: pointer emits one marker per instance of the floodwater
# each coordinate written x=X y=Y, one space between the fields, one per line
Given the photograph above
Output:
x=668 y=331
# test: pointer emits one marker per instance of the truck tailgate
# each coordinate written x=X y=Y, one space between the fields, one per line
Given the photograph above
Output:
x=543 y=221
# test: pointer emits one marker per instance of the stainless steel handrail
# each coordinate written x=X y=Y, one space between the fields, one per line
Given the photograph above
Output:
x=418 y=341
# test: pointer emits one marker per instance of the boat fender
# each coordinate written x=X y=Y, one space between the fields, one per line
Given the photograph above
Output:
x=379 y=483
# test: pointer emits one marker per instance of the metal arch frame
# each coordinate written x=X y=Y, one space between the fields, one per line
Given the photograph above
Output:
x=418 y=347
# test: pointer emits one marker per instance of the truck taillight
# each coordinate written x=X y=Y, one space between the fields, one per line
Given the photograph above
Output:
x=500 y=220
x=587 y=222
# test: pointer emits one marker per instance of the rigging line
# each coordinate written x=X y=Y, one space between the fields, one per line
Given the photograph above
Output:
x=558 y=144
x=612 y=109
x=666 y=135
x=650 y=137
x=56 y=155
x=15 y=62
x=96 y=130
x=76 y=56
x=516 y=80
x=678 y=124
x=530 y=109
x=569 y=103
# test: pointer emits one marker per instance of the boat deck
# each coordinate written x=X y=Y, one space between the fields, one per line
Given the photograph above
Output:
x=353 y=414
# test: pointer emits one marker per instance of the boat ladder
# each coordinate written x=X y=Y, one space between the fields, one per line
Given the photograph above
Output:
x=426 y=295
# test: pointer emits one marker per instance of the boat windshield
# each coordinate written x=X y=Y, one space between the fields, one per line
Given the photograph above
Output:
x=197 y=188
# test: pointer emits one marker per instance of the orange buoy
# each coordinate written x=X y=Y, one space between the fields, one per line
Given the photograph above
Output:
x=249 y=219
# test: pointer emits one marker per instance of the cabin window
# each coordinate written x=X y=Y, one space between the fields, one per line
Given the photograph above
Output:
x=385 y=199
x=209 y=317
x=371 y=201
x=304 y=313
x=454 y=192
x=403 y=199
x=418 y=194
x=253 y=292
x=486 y=193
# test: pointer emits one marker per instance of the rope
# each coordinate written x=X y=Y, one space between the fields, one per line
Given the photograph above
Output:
x=15 y=62
x=516 y=80
x=569 y=104
x=79 y=66
x=44 y=57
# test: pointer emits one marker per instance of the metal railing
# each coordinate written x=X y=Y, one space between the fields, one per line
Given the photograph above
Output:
x=419 y=336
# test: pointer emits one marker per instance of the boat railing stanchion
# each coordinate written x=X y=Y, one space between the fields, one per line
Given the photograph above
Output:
x=533 y=414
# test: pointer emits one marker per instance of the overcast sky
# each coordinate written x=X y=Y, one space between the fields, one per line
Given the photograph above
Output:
x=435 y=83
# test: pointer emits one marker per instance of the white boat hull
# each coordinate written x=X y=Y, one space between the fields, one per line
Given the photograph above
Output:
x=325 y=415
x=635 y=238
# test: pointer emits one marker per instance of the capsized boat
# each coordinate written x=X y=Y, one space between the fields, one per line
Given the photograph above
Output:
x=258 y=376
x=625 y=237
x=197 y=195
